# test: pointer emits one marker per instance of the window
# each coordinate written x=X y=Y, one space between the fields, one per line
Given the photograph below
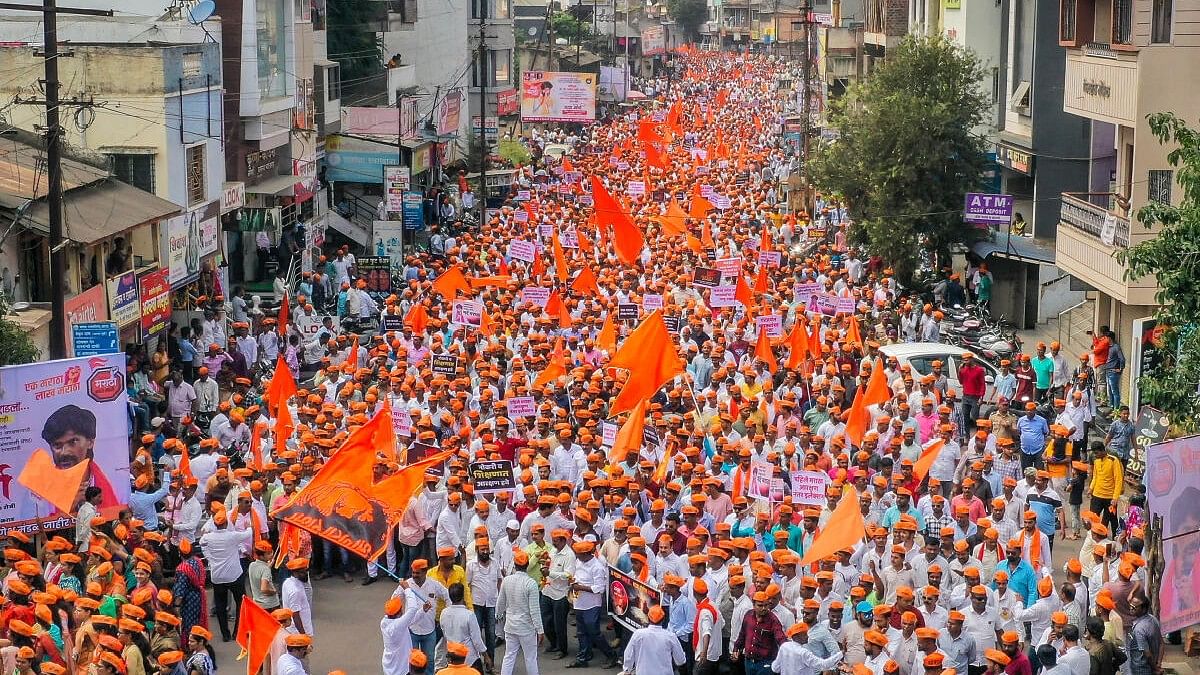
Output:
x=333 y=82
x=272 y=48
x=136 y=170
x=192 y=64
x=479 y=67
x=502 y=67
x=196 y=183
x=1122 y=22
x=1066 y=21
x=479 y=9
x=1159 y=189
x=1019 y=101
x=1160 y=21
x=501 y=9
x=995 y=85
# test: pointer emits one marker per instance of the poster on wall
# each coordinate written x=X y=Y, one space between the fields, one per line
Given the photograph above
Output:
x=548 y=96
x=123 y=304
x=72 y=415
x=155 y=289
x=1173 y=490
x=190 y=237
x=387 y=238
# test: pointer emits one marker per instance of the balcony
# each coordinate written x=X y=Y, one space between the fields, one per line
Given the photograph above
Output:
x=1089 y=233
x=1101 y=84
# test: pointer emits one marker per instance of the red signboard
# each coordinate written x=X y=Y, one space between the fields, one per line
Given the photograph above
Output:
x=507 y=102
x=155 y=289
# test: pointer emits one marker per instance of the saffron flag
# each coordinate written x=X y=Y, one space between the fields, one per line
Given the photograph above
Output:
x=555 y=369
x=650 y=357
x=344 y=505
x=282 y=386
x=495 y=280
x=927 y=458
x=763 y=352
x=284 y=426
x=742 y=293
x=58 y=487
x=844 y=529
x=627 y=238
x=417 y=318
x=607 y=339
x=699 y=207
x=853 y=333
x=858 y=419
x=283 y=318
x=560 y=260
x=797 y=344
x=451 y=281
x=629 y=436
x=256 y=630
x=877 y=387
x=675 y=222
x=585 y=282
x=256 y=444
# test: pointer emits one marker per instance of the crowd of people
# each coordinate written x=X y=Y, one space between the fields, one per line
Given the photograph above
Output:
x=961 y=509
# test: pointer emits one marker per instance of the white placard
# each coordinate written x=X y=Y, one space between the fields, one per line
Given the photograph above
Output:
x=651 y=302
x=722 y=296
x=467 y=313
x=535 y=294
x=522 y=250
x=521 y=406
x=772 y=324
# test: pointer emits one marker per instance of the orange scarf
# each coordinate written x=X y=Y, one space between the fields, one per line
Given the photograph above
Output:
x=1035 y=549
x=741 y=481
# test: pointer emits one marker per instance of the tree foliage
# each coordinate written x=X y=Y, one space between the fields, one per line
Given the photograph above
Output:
x=1173 y=259
x=354 y=39
x=513 y=152
x=688 y=15
x=906 y=153
x=16 y=347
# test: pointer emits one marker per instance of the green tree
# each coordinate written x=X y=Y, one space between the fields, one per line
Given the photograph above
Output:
x=15 y=345
x=1173 y=259
x=354 y=40
x=688 y=15
x=570 y=27
x=906 y=153
x=513 y=152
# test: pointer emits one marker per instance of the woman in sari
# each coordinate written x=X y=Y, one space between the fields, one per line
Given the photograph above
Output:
x=85 y=638
x=189 y=590
x=200 y=660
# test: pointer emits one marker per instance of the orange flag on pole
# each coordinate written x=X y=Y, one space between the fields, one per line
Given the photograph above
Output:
x=555 y=369
x=699 y=207
x=650 y=357
x=674 y=223
x=928 y=456
x=607 y=339
x=858 y=419
x=585 y=282
x=853 y=333
x=417 y=318
x=451 y=281
x=764 y=353
x=185 y=463
x=797 y=344
x=877 y=387
x=560 y=260
x=495 y=280
x=57 y=486
x=844 y=529
x=256 y=630
x=742 y=293
x=282 y=386
x=629 y=436
x=282 y=317
x=760 y=280
x=814 y=338
x=256 y=445
x=284 y=426
x=627 y=238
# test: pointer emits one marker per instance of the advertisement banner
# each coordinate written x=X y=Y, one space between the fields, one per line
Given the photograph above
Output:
x=654 y=41
x=377 y=271
x=190 y=237
x=124 y=306
x=414 y=211
x=507 y=102
x=1173 y=483
x=985 y=209
x=396 y=182
x=449 y=113
x=76 y=410
x=155 y=289
x=630 y=600
x=492 y=476
x=548 y=96
x=356 y=160
x=1150 y=427
x=388 y=239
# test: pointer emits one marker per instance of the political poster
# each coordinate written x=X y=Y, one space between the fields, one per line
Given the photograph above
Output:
x=387 y=238
x=523 y=195
x=1151 y=426
x=771 y=324
x=444 y=364
x=627 y=312
x=76 y=412
x=770 y=258
x=1180 y=584
x=630 y=600
x=845 y=304
x=548 y=96
x=467 y=313
x=651 y=302
x=569 y=238
x=377 y=272
x=723 y=296
x=391 y=322
x=538 y=295
x=492 y=476
x=673 y=323
x=401 y=421
x=608 y=433
x=1173 y=484
x=155 y=292
x=730 y=268
x=635 y=188
x=522 y=250
x=521 y=406
x=521 y=216
x=805 y=291
x=707 y=277
x=761 y=474
x=124 y=306
x=823 y=303
x=808 y=487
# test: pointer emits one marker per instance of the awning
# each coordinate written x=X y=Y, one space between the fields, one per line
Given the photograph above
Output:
x=276 y=185
x=1025 y=249
x=102 y=210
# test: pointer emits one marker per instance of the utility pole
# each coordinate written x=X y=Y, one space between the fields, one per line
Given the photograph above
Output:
x=483 y=81
x=806 y=94
x=53 y=133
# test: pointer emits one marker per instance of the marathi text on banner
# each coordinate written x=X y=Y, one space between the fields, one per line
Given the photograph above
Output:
x=548 y=96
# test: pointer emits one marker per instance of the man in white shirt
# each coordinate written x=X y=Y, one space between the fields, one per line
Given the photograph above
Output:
x=293 y=595
x=653 y=650
x=483 y=576
x=706 y=639
x=397 y=641
x=449 y=524
x=518 y=610
x=555 y=605
x=222 y=549
x=794 y=658
x=291 y=662
x=590 y=581
x=426 y=593
x=459 y=625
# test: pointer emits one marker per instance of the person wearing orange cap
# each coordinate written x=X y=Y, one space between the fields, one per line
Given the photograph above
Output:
x=518 y=609
x=588 y=582
x=652 y=649
x=293 y=595
x=758 y=641
x=291 y=662
x=222 y=549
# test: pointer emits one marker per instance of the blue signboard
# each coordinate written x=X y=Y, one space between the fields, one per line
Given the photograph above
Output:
x=95 y=339
x=414 y=212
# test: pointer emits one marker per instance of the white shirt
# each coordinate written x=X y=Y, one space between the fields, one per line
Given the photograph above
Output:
x=289 y=665
x=221 y=550
x=711 y=624
x=794 y=659
x=653 y=650
x=1075 y=660
x=484 y=581
x=460 y=625
x=294 y=596
x=397 y=641
x=594 y=575
x=430 y=592
x=519 y=605
x=449 y=528
x=562 y=567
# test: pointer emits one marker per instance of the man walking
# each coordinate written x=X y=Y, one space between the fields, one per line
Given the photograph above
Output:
x=518 y=611
x=589 y=583
x=654 y=650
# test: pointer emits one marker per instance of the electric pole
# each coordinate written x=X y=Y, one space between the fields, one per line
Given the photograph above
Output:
x=483 y=143
x=53 y=134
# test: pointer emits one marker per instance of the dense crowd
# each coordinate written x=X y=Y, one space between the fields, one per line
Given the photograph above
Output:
x=956 y=499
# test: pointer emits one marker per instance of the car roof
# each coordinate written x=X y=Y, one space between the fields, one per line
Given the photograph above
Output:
x=919 y=348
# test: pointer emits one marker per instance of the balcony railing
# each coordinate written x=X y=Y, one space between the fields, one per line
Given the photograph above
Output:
x=1091 y=212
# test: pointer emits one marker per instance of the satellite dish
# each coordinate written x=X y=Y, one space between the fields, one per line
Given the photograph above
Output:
x=200 y=11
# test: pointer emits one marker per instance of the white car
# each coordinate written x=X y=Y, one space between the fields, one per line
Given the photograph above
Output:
x=921 y=355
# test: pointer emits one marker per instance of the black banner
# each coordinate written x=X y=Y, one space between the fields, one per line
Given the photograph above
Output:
x=627 y=312
x=392 y=322
x=492 y=476
x=630 y=600
x=444 y=364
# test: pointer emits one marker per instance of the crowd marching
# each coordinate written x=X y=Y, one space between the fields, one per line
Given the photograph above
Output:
x=928 y=550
